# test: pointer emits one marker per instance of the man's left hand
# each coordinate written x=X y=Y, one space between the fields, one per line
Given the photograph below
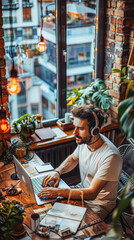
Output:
x=49 y=192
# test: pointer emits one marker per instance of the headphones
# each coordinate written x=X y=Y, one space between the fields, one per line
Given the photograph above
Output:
x=94 y=131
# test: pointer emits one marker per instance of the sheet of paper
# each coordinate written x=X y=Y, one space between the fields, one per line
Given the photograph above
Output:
x=67 y=211
x=59 y=133
x=44 y=167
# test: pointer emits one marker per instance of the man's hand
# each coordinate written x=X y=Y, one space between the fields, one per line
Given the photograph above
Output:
x=49 y=192
x=53 y=176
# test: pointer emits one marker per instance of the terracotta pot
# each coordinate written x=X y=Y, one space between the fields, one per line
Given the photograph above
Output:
x=19 y=227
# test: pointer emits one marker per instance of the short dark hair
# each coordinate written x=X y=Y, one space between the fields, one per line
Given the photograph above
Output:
x=85 y=112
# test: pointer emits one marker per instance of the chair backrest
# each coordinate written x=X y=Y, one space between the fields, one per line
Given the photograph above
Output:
x=127 y=154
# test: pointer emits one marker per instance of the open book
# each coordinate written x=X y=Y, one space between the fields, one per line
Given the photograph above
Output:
x=64 y=215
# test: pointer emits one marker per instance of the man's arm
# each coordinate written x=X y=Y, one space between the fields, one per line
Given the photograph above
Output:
x=66 y=166
x=88 y=193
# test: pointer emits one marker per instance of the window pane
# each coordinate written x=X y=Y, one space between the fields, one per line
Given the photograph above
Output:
x=37 y=71
x=27 y=14
x=80 y=35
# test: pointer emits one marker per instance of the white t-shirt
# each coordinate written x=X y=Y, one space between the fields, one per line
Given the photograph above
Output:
x=105 y=163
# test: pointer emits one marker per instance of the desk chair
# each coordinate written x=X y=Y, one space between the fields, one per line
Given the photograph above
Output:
x=127 y=154
x=126 y=218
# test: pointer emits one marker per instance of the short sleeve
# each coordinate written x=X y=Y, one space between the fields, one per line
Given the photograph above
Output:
x=110 y=168
x=76 y=152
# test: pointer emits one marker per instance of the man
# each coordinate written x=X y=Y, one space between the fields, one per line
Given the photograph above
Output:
x=99 y=162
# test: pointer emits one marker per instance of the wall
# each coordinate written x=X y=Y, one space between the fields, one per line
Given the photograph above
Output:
x=119 y=21
x=3 y=73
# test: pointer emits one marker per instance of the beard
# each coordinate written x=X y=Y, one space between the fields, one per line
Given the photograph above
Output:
x=85 y=140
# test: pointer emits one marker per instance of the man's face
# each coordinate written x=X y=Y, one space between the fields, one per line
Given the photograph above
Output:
x=81 y=131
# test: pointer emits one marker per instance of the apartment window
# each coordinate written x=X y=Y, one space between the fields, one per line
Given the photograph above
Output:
x=27 y=17
x=52 y=108
x=8 y=34
x=27 y=33
x=34 y=109
x=22 y=110
x=45 y=102
x=8 y=20
x=79 y=54
x=21 y=97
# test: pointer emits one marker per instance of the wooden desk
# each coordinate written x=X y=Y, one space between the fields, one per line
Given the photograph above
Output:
x=70 y=137
x=30 y=205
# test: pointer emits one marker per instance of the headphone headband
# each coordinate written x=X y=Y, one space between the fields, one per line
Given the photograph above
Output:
x=95 y=130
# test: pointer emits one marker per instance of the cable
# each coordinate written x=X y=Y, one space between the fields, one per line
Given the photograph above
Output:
x=6 y=170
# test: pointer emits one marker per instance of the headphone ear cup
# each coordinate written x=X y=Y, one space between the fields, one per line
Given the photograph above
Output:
x=94 y=131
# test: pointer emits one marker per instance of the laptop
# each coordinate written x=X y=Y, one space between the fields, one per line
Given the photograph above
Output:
x=33 y=183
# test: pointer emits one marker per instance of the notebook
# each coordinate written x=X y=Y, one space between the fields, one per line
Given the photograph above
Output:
x=33 y=183
x=64 y=215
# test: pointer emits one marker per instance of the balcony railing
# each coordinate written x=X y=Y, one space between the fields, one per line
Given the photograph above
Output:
x=8 y=6
x=27 y=4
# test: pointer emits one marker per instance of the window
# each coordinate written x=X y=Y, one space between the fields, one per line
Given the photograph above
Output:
x=8 y=20
x=68 y=62
x=27 y=33
x=52 y=108
x=22 y=111
x=21 y=97
x=34 y=109
x=27 y=15
x=8 y=33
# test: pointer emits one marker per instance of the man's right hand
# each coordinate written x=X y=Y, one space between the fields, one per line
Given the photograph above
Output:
x=52 y=176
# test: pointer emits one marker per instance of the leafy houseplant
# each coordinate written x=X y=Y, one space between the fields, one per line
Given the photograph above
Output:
x=96 y=93
x=25 y=125
x=11 y=216
x=126 y=117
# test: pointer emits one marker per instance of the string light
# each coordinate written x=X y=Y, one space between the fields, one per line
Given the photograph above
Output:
x=13 y=87
x=42 y=47
x=4 y=122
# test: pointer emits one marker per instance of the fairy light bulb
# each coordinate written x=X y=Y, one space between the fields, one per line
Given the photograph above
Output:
x=42 y=47
x=13 y=87
x=4 y=122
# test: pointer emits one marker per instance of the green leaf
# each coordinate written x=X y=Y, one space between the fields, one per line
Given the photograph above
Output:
x=124 y=202
x=124 y=69
x=124 y=105
x=127 y=121
x=116 y=70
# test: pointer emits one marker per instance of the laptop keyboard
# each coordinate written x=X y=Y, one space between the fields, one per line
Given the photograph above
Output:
x=37 y=184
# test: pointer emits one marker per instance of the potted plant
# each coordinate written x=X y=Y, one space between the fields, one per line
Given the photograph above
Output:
x=126 y=118
x=96 y=93
x=26 y=125
x=11 y=218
